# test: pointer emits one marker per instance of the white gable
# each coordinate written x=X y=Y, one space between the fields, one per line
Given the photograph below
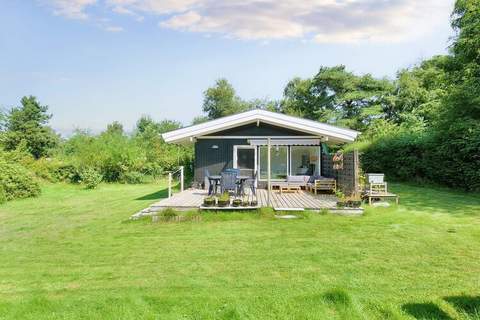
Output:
x=311 y=128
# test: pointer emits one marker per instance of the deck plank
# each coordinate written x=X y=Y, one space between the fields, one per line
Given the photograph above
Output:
x=193 y=198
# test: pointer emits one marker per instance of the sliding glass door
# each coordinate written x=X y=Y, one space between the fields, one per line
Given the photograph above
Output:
x=289 y=160
x=278 y=164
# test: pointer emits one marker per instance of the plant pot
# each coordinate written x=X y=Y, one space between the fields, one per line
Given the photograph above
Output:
x=355 y=203
x=245 y=204
x=237 y=203
x=209 y=202
x=223 y=203
x=341 y=204
x=254 y=203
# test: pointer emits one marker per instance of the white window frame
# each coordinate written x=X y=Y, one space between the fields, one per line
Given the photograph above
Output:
x=288 y=162
x=235 y=157
x=318 y=166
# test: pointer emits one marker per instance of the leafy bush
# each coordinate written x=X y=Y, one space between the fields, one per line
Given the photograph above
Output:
x=448 y=157
x=133 y=177
x=90 y=178
x=3 y=195
x=122 y=158
x=17 y=182
x=168 y=213
x=55 y=170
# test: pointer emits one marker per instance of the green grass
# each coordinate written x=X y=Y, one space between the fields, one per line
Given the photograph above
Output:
x=73 y=254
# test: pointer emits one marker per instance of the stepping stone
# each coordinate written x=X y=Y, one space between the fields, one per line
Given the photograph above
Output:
x=288 y=216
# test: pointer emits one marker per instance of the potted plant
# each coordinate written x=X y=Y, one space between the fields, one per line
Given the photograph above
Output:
x=245 y=203
x=237 y=202
x=341 y=203
x=354 y=201
x=209 y=201
x=253 y=203
x=224 y=200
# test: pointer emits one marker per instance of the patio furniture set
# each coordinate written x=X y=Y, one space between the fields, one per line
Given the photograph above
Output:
x=310 y=183
x=230 y=180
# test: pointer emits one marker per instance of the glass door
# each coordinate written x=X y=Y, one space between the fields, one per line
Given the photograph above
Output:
x=245 y=159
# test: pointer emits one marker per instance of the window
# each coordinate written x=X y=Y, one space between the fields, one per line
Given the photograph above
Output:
x=278 y=163
x=304 y=160
x=245 y=158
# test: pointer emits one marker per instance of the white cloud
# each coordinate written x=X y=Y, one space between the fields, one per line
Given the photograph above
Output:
x=125 y=11
x=324 y=21
x=74 y=9
x=113 y=29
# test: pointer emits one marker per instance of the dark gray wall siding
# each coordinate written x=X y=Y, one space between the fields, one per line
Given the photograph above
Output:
x=262 y=130
x=215 y=160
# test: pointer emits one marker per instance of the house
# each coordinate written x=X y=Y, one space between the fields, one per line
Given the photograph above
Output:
x=297 y=147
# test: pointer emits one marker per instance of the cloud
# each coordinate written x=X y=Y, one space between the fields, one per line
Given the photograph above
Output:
x=125 y=11
x=323 y=21
x=113 y=29
x=73 y=9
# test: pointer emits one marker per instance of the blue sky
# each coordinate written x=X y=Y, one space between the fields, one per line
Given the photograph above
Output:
x=96 y=61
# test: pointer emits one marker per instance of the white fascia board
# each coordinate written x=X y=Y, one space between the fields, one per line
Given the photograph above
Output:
x=310 y=123
x=209 y=126
x=252 y=116
x=306 y=126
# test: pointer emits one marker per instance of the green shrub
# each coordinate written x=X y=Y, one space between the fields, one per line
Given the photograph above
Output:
x=55 y=170
x=168 y=213
x=447 y=157
x=90 y=178
x=3 y=195
x=17 y=182
x=133 y=177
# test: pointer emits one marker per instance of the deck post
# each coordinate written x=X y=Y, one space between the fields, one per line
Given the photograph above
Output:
x=169 y=184
x=181 y=178
x=269 y=185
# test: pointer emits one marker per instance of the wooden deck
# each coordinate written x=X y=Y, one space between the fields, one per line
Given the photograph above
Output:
x=193 y=199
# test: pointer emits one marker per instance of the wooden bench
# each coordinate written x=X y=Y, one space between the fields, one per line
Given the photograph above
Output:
x=323 y=185
x=379 y=191
x=378 y=195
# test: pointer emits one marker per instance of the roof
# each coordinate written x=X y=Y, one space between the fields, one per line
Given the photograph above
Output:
x=313 y=128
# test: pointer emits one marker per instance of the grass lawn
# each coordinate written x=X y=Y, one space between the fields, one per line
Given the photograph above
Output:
x=73 y=254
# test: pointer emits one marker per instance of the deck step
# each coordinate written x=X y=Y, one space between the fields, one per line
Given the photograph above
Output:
x=289 y=209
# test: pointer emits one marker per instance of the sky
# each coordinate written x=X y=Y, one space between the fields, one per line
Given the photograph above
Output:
x=98 y=61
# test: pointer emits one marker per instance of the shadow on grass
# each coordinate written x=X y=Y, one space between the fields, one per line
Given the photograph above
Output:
x=437 y=199
x=425 y=311
x=155 y=196
x=466 y=304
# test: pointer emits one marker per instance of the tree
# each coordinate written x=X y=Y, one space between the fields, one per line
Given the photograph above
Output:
x=419 y=92
x=464 y=98
x=337 y=96
x=221 y=100
x=146 y=123
x=115 y=128
x=265 y=104
x=199 y=119
x=27 y=125
x=301 y=99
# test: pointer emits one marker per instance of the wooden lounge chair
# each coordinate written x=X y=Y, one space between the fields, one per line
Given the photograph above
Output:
x=379 y=191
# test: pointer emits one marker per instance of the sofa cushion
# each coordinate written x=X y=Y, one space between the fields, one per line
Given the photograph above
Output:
x=314 y=177
x=298 y=179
